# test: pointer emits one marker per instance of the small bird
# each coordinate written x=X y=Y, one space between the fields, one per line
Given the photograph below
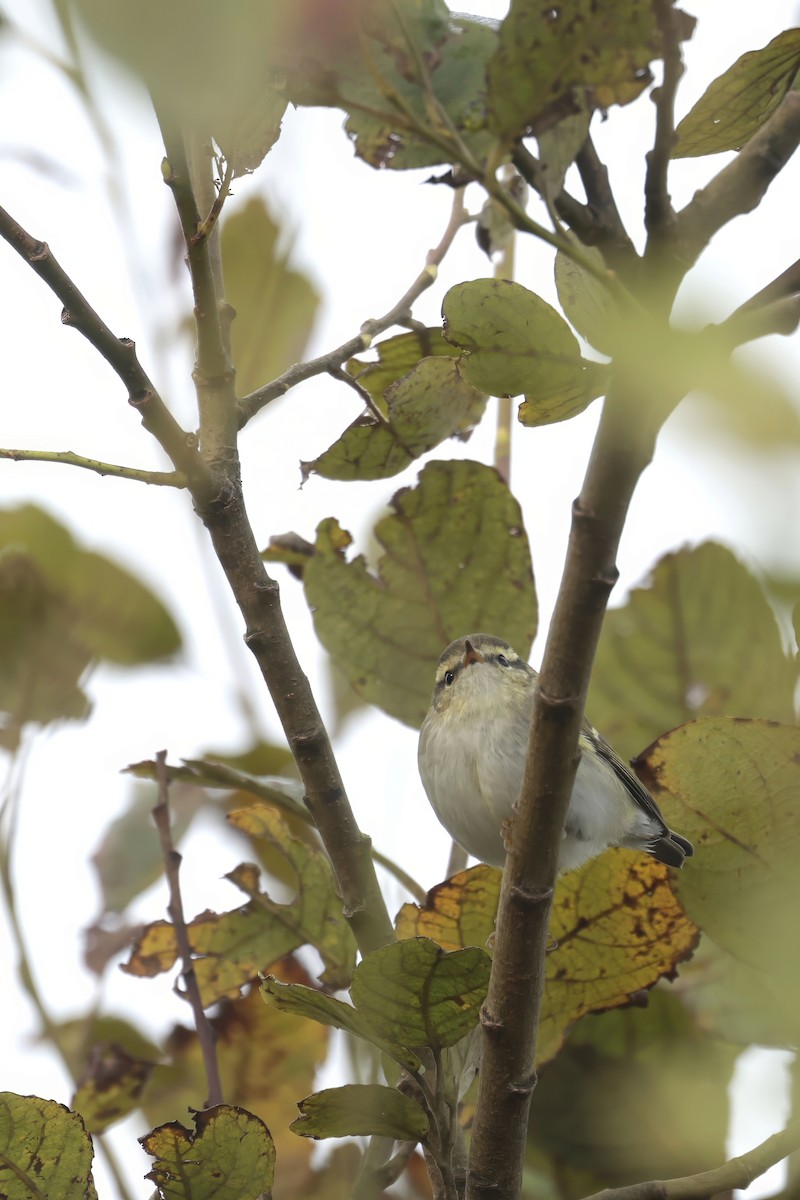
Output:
x=472 y=749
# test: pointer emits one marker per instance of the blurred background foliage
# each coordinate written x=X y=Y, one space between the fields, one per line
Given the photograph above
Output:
x=656 y=983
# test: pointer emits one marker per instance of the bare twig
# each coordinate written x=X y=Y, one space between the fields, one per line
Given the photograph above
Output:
x=172 y=865
x=205 y=227
x=737 y=1173
x=399 y=313
x=659 y=215
x=119 y=353
x=175 y=479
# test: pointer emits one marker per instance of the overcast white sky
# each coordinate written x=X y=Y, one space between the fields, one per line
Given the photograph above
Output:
x=362 y=236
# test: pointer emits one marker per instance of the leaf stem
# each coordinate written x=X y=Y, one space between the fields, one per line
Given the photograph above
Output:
x=172 y=865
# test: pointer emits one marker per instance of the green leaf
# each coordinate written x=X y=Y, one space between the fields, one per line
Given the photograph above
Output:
x=114 y=615
x=361 y=1109
x=591 y=1096
x=247 y=133
x=111 y=1086
x=559 y=147
x=45 y=1152
x=456 y=559
x=736 y=1002
x=416 y=993
x=551 y=58
x=396 y=356
x=379 y=85
x=275 y=304
x=515 y=343
x=228 y=1156
x=315 y=1005
x=740 y=100
x=700 y=639
x=616 y=926
x=432 y=402
x=732 y=787
x=587 y=304
x=234 y=946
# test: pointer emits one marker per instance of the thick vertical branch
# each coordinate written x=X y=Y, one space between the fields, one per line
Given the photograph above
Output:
x=511 y=1012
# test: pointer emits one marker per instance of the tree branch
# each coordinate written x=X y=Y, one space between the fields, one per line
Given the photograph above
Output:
x=175 y=479
x=622 y=449
x=401 y=311
x=659 y=215
x=172 y=866
x=225 y=517
x=737 y=1173
x=214 y=376
x=611 y=236
x=739 y=187
x=579 y=217
x=119 y=353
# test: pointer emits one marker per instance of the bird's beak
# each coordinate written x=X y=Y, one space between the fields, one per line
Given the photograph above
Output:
x=471 y=655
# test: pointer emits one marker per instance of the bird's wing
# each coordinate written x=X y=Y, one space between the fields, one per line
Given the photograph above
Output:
x=635 y=788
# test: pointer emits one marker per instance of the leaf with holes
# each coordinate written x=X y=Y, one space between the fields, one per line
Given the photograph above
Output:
x=550 y=56
x=430 y=403
x=229 y=1155
x=733 y=787
x=456 y=558
x=616 y=926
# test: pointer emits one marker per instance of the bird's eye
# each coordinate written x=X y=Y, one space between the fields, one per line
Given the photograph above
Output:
x=501 y=658
x=449 y=676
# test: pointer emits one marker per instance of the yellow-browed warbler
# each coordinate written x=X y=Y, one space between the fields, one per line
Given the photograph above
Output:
x=472 y=749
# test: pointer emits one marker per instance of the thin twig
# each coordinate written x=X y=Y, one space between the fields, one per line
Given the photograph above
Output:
x=659 y=215
x=172 y=864
x=579 y=217
x=351 y=381
x=504 y=269
x=176 y=479
x=398 y=314
x=205 y=227
x=736 y=1173
x=119 y=353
